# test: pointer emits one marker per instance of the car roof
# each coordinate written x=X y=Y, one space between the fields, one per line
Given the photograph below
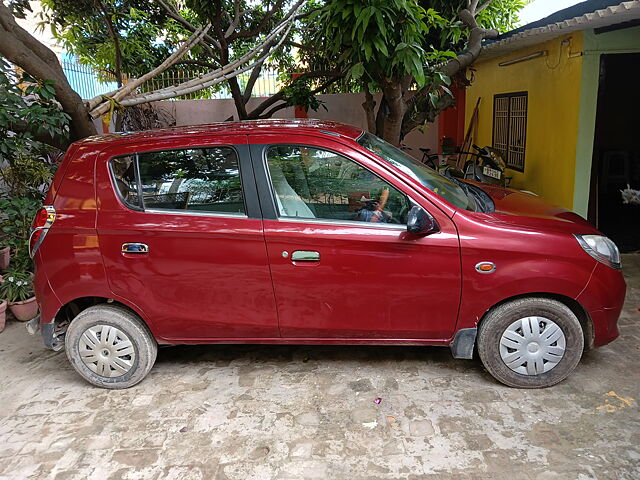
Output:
x=245 y=127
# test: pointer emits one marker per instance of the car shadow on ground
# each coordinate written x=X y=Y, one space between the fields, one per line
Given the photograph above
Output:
x=434 y=362
x=329 y=355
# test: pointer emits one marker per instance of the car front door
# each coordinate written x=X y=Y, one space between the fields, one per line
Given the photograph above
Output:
x=180 y=231
x=342 y=262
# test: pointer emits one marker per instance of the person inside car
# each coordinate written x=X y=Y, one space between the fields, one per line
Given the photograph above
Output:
x=373 y=211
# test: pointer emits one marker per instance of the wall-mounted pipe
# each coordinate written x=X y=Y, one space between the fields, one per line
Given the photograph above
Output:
x=537 y=54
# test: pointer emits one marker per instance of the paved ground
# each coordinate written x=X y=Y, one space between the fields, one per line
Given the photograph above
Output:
x=262 y=412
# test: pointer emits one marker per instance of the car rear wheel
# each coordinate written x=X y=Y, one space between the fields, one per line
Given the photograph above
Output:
x=530 y=342
x=110 y=347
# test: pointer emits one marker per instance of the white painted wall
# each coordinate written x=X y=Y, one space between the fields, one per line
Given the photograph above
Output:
x=344 y=108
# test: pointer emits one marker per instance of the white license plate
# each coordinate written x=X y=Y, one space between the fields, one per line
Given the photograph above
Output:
x=491 y=172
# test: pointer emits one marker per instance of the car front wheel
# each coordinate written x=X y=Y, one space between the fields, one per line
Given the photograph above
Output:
x=110 y=347
x=530 y=342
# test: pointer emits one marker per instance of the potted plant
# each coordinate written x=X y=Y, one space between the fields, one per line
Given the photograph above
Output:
x=16 y=226
x=17 y=290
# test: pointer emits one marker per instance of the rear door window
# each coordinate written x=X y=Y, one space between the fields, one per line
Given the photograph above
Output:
x=194 y=179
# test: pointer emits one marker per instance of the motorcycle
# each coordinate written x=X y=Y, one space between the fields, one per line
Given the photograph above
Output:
x=487 y=167
x=440 y=164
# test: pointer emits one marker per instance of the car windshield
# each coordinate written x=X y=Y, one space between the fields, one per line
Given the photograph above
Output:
x=435 y=182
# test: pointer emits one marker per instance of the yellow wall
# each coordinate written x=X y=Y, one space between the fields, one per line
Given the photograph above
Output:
x=553 y=86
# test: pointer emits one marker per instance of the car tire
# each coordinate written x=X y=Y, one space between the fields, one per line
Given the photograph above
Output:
x=530 y=342
x=110 y=346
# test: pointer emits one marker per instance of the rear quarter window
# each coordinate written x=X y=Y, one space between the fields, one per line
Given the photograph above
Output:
x=123 y=170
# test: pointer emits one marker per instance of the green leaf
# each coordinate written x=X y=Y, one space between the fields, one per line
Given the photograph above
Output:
x=380 y=45
x=357 y=71
x=443 y=78
x=368 y=51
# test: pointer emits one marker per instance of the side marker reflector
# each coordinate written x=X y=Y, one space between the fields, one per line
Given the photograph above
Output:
x=486 y=267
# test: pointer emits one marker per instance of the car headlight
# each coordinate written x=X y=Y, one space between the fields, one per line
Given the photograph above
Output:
x=601 y=248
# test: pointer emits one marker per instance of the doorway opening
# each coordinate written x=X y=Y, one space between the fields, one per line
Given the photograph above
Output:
x=616 y=150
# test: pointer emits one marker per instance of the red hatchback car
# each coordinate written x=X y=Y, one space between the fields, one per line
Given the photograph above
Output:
x=308 y=232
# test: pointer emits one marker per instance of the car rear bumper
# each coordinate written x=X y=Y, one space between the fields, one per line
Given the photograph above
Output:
x=603 y=298
x=52 y=335
x=48 y=301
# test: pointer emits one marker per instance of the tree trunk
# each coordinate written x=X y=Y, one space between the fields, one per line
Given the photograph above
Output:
x=424 y=113
x=392 y=91
x=118 y=57
x=21 y=49
x=402 y=110
x=383 y=110
x=238 y=98
x=369 y=106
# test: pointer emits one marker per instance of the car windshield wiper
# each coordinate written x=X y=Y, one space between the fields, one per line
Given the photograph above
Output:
x=482 y=198
x=472 y=199
x=482 y=201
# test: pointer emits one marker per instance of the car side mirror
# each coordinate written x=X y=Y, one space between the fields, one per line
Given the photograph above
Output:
x=420 y=222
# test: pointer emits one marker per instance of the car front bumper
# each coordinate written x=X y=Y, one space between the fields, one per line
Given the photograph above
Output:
x=603 y=298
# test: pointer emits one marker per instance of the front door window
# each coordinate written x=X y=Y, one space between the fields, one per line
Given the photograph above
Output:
x=313 y=183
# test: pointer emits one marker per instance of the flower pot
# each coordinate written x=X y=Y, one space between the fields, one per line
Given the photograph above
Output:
x=4 y=257
x=3 y=314
x=24 y=311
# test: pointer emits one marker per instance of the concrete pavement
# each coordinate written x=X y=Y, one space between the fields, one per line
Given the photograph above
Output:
x=294 y=412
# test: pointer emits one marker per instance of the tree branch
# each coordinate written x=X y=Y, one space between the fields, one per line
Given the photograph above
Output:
x=227 y=71
x=253 y=78
x=275 y=109
x=418 y=108
x=482 y=7
x=199 y=63
x=182 y=21
x=262 y=24
x=256 y=112
x=116 y=41
x=474 y=45
x=178 y=91
x=236 y=19
x=104 y=106
x=23 y=50
x=283 y=105
x=43 y=137
x=427 y=113
x=299 y=46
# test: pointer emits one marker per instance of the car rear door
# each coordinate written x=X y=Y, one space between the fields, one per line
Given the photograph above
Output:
x=341 y=267
x=180 y=231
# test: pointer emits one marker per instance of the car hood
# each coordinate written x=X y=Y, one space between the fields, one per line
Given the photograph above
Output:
x=527 y=209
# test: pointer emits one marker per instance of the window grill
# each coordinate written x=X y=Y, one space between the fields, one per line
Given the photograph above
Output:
x=510 y=127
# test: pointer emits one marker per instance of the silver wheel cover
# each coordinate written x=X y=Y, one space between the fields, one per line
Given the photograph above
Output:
x=532 y=345
x=107 y=351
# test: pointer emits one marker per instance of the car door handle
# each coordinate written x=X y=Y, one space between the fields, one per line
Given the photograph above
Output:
x=305 y=256
x=135 y=248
